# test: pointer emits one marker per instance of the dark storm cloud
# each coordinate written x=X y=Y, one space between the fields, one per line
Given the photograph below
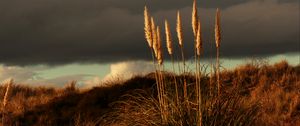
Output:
x=65 y=31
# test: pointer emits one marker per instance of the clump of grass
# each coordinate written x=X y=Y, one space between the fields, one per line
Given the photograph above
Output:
x=138 y=107
x=153 y=38
x=152 y=35
x=157 y=51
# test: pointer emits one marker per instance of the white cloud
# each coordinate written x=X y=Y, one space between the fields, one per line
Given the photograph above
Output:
x=129 y=69
x=119 y=72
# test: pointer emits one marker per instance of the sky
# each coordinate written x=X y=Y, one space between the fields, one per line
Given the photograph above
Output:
x=51 y=42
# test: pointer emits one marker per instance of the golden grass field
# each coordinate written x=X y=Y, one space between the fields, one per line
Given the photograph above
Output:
x=252 y=94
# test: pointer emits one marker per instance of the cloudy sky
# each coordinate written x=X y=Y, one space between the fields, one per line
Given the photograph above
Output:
x=55 y=41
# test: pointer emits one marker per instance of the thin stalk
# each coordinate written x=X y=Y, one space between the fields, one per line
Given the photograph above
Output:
x=218 y=70
x=211 y=89
x=196 y=84
x=211 y=71
x=196 y=75
x=175 y=81
x=183 y=59
x=184 y=79
x=178 y=63
x=176 y=90
x=161 y=94
x=165 y=95
x=198 y=88
x=199 y=91
x=185 y=96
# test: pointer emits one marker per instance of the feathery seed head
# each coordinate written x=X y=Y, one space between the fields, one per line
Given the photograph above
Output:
x=195 y=18
x=179 y=29
x=199 y=39
x=168 y=38
x=148 y=28
x=158 y=38
x=159 y=49
x=154 y=36
x=217 y=28
x=155 y=43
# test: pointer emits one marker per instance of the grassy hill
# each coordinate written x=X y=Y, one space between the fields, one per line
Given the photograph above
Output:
x=251 y=94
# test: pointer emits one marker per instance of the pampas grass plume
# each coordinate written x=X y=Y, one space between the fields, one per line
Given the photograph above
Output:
x=148 y=28
x=199 y=39
x=179 y=29
x=217 y=28
x=159 y=50
x=168 y=38
x=154 y=37
x=195 y=18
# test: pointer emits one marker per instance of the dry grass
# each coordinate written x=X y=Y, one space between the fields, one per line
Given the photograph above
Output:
x=168 y=38
x=5 y=116
x=158 y=56
x=199 y=40
x=170 y=50
x=253 y=94
x=217 y=28
x=154 y=37
x=218 y=40
x=179 y=29
x=159 y=49
x=7 y=92
x=195 y=18
x=243 y=100
x=148 y=27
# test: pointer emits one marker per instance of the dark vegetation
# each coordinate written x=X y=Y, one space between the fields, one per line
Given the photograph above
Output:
x=252 y=94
